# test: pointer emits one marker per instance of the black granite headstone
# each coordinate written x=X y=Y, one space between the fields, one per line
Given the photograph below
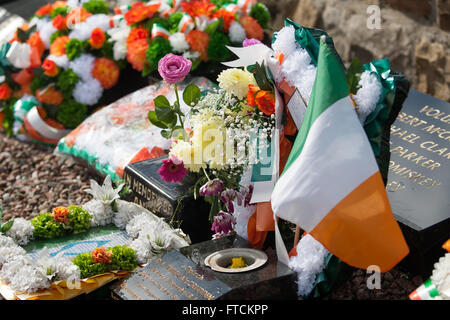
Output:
x=419 y=177
x=182 y=275
x=163 y=198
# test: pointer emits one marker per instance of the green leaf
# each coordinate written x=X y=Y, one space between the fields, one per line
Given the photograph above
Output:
x=22 y=35
x=261 y=78
x=354 y=75
x=196 y=63
x=7 y=226
x=166 y=133
x=166 y=115
x=213 y=27
x=162 y=102
x=192 y=95
x=154 y=120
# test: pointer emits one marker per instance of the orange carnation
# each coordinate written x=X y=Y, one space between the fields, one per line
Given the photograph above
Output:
x=60 y=214
x=49 y=96
x=199 y=42
x=227 y=16
x=198 y=8
x=35 y=41
x=265 y=101
x=139 y=12
x=50 y=68
x=60 y=22
x=44 y=10
x=77 y=15
x=106 y=72
x=97 y=38
x=136 y=34
x=101 y=255
x=58 y=47
x=5 y=91
x=59 y=4
x=252 y=28
x=136 y=54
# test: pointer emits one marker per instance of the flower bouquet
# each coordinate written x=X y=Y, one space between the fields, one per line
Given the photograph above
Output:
x=198 y=30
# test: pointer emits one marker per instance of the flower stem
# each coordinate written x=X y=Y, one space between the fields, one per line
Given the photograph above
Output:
x=179 y=105
x=204 y=171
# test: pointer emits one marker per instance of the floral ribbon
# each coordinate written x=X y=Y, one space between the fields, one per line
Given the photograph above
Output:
x=186 y=24
x=158 y=30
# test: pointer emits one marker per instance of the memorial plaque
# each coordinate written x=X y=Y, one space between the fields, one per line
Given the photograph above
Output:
x=162 y=198
x=182 y=275
x=419 y=176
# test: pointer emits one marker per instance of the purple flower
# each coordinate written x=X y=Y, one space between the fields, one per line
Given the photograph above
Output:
x=228 y=196
x=250 y=42
x=223 y=224
x=172 y=170
x=211 y=188
x=173 y=68
x=246 y=195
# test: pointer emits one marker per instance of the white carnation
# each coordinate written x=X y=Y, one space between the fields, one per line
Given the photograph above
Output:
x=82 y=66
x=368 y=95
x=125 y=212
x=441 y=276
x=88 y=92
x=45 y=28
x=237 y=32
x=178 y=42
x=82 y=31
x=61 y=61
x=285 y=41
x=101 y=214
x=10 y=252
x=21 y=231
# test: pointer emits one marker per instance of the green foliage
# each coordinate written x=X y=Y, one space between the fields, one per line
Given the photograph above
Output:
x=66 y=82
x=220 y=3
x=7 y=225
x=107 y=50
x=157 y=49
x=261 y=14
x=39 y=82
x=47 y=228
x=217 y=50
x=260 y=74
x=174 y=20
x=79 y=219
x=123 y=258
x=58 y=34
x=63 y=11
x=96 y=6
x=24 y=35
x=71 y=113
x=8 y=119
x=354 y=75
x=87 y=267
x=74 y=48
x=192 y=95
x=164 y=22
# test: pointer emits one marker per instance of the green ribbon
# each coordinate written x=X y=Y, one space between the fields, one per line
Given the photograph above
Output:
x=4 y=63
x=25 y=105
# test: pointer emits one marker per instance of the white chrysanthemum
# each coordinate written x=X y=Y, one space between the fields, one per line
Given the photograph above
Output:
x=9 y=253
x=178 y=42
x=101 y=214
x=143 y=249
x=368 y=95
x=82 y=31
x=125 y=212
x=237 y=32
x=297 y=69
x=21 y=231
x=22 y=275
x=88 y=92
x=82 y=66
x=6 y=241
x=235 y=81
x=61 y=61
x=285 y=41
x=137 y=224
x=309 y=262
x=58 y=267
x=441 y=276
x=45 y=28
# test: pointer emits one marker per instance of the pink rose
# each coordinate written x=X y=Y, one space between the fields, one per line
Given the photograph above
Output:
x=250 y=42
x=173 y=68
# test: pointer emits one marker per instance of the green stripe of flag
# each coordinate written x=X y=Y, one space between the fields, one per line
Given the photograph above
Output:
x=329 y=87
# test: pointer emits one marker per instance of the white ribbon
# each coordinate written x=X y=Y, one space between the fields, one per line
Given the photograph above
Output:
x=43 y=128
x=19 y=55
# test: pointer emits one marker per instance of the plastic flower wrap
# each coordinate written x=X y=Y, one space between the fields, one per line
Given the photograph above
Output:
x=198 y=30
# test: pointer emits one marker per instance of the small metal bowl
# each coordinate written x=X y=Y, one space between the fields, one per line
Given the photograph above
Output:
x=221 y=260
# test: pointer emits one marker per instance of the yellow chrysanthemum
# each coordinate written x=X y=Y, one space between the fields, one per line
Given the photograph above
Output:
x=236 y=81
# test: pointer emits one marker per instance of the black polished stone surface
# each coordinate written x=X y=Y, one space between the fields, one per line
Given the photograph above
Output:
x=183 y=275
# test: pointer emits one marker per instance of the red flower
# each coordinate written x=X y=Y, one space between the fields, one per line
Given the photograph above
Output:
x=252 y=28
x=137 y=34
x=44 y=10
x=136 y=54
x=100 y=255
x=265 y=101
x=106 y=72
x=172 y=171
x=60 y=22
x=227 y=16
x=139 y=12
x=5 y=91
x=97 y=39
x=60 y=214
x=50 y=68
x=199 y=42
x=197 y=8
x=252 y=90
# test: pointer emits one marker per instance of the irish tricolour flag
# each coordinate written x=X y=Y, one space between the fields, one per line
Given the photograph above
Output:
x=331 y=185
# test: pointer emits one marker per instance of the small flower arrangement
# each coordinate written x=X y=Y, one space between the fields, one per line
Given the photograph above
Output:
x=219 y=143
x=198 y=30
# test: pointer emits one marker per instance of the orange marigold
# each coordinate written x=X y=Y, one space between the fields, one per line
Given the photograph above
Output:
x=60 y=22
x=136 y=54
x=5 y=91
x=101 y=255
x=44 y=10
x=106 y=72
x=227 y=16
x=58 y=47
x=139 y=12
x=197 y=8
x=59 y=4
x=252 y=90
x=252 y=28
x=50 y=96
x=77 y=15
x=50 y=68
x=97 y=39
x=60 y=214
x=136 y=34
x=199 y=42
